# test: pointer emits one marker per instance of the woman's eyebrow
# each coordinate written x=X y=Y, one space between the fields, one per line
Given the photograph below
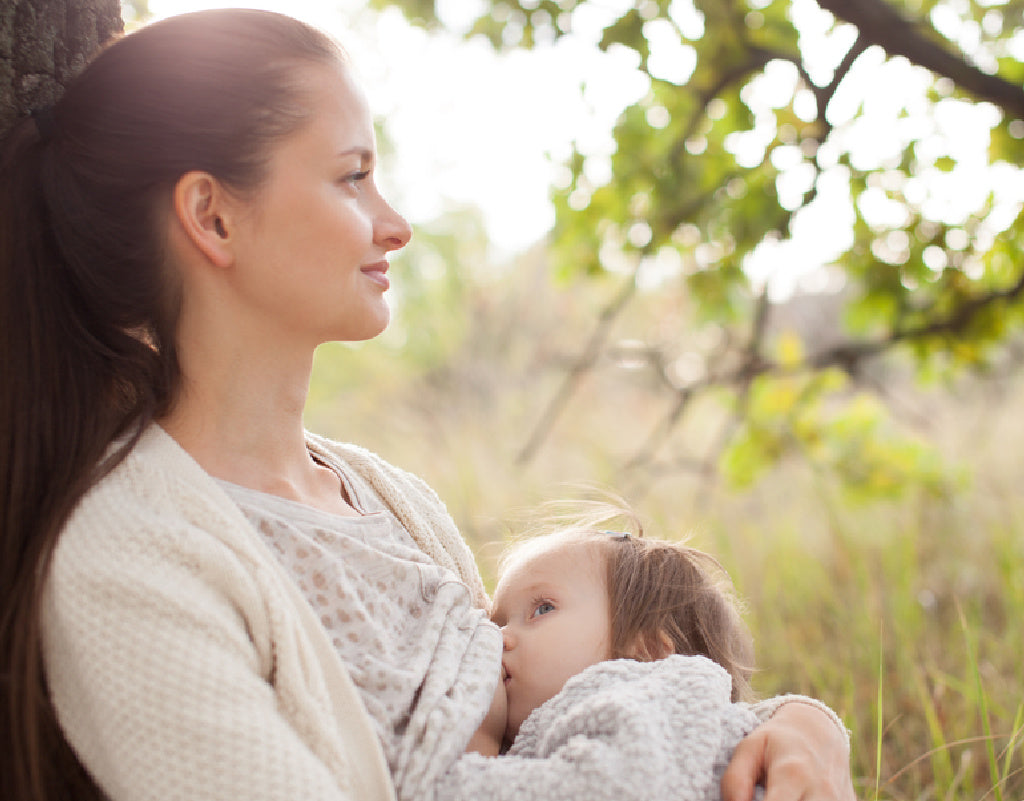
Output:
x=365 y=154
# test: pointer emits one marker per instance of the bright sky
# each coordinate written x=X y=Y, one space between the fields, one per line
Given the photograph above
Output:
x=473 y=127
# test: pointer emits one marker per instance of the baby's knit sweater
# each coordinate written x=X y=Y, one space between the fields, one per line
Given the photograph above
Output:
x=622 y=730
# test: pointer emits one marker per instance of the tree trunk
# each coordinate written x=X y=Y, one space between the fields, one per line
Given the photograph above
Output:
x=43 y=43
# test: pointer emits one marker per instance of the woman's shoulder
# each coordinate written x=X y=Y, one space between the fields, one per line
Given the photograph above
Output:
x=154 y=478
x=156 y=501
x=157 y=528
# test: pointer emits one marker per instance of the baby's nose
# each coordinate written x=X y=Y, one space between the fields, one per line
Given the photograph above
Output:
x=508 y=639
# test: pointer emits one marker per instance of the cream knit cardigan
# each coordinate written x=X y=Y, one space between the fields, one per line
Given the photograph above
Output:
x=182 y=660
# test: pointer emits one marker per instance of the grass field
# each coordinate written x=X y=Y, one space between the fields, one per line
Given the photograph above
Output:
x=906 y=615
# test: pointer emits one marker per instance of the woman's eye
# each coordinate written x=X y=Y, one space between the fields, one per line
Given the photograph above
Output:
x=356 y=177
x=543 y=608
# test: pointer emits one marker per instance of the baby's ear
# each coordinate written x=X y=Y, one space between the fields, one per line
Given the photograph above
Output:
x=650 y=646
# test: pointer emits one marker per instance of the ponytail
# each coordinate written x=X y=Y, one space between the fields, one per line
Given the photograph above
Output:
x=55 y=425
x=89 y=303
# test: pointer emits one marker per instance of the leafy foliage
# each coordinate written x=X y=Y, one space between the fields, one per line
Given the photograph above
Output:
x=716 y=164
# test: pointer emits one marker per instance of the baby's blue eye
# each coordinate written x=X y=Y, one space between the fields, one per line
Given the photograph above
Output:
x=543 y=608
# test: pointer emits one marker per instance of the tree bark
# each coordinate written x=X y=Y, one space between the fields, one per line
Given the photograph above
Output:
x=43 y=44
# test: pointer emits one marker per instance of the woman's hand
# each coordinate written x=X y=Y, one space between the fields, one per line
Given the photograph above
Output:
x=798 y=755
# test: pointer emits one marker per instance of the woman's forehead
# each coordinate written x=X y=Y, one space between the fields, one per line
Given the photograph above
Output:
x=338 y=120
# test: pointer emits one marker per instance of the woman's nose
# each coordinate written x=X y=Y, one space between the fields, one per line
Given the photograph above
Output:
x=393 y=230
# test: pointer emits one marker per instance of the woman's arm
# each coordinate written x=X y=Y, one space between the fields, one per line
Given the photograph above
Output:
x=165 y=681
x=799 y=754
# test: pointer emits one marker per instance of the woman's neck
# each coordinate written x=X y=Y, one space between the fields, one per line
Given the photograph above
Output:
x=245 y=379
x=237 y=411
x=240 y=417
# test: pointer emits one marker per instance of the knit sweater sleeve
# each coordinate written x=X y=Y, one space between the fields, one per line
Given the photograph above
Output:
x=161 y=670
x=766 y=708
x=620 y=730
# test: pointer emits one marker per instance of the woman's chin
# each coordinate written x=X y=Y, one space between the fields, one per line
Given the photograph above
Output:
x=369 y=328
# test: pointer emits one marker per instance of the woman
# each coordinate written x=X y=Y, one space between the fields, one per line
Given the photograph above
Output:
x=199 y=599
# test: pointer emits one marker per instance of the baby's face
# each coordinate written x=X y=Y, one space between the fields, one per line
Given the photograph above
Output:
x=555 y=618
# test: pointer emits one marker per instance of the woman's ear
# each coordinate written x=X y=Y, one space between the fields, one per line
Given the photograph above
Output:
x=650 y=646
x=200 y=204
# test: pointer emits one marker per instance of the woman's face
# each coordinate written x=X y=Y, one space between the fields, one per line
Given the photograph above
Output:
x=554 y=612
x=312 y=245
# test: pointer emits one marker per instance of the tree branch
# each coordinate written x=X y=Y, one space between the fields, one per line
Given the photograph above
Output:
x=848 y=356
x=881 y=24
x=583 y=364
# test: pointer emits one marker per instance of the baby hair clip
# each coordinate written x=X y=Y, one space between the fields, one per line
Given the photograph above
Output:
x=622 y=536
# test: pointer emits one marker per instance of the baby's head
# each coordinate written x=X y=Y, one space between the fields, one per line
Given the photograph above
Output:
x=581 y=595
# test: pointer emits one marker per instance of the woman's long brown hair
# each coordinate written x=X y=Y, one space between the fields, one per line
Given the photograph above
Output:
x=88 y=299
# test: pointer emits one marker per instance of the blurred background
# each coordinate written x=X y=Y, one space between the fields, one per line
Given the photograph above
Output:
x=754 y=265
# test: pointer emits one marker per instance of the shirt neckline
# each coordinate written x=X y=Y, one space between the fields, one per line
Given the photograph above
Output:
x=295 y=509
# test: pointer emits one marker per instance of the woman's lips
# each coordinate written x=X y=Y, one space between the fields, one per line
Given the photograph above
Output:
x=378 y=274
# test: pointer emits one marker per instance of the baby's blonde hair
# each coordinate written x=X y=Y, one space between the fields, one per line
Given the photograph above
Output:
x=664 y=596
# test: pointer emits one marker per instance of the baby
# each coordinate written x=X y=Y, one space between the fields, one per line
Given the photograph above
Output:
x=625 y=674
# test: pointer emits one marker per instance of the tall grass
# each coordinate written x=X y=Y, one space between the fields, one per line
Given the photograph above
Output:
x=911 y=636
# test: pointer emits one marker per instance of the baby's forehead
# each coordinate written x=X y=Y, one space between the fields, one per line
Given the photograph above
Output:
x=561 y=555
x=543 y=550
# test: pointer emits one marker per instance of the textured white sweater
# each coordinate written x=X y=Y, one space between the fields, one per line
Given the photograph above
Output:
x=620 y=730
x=182 y=661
